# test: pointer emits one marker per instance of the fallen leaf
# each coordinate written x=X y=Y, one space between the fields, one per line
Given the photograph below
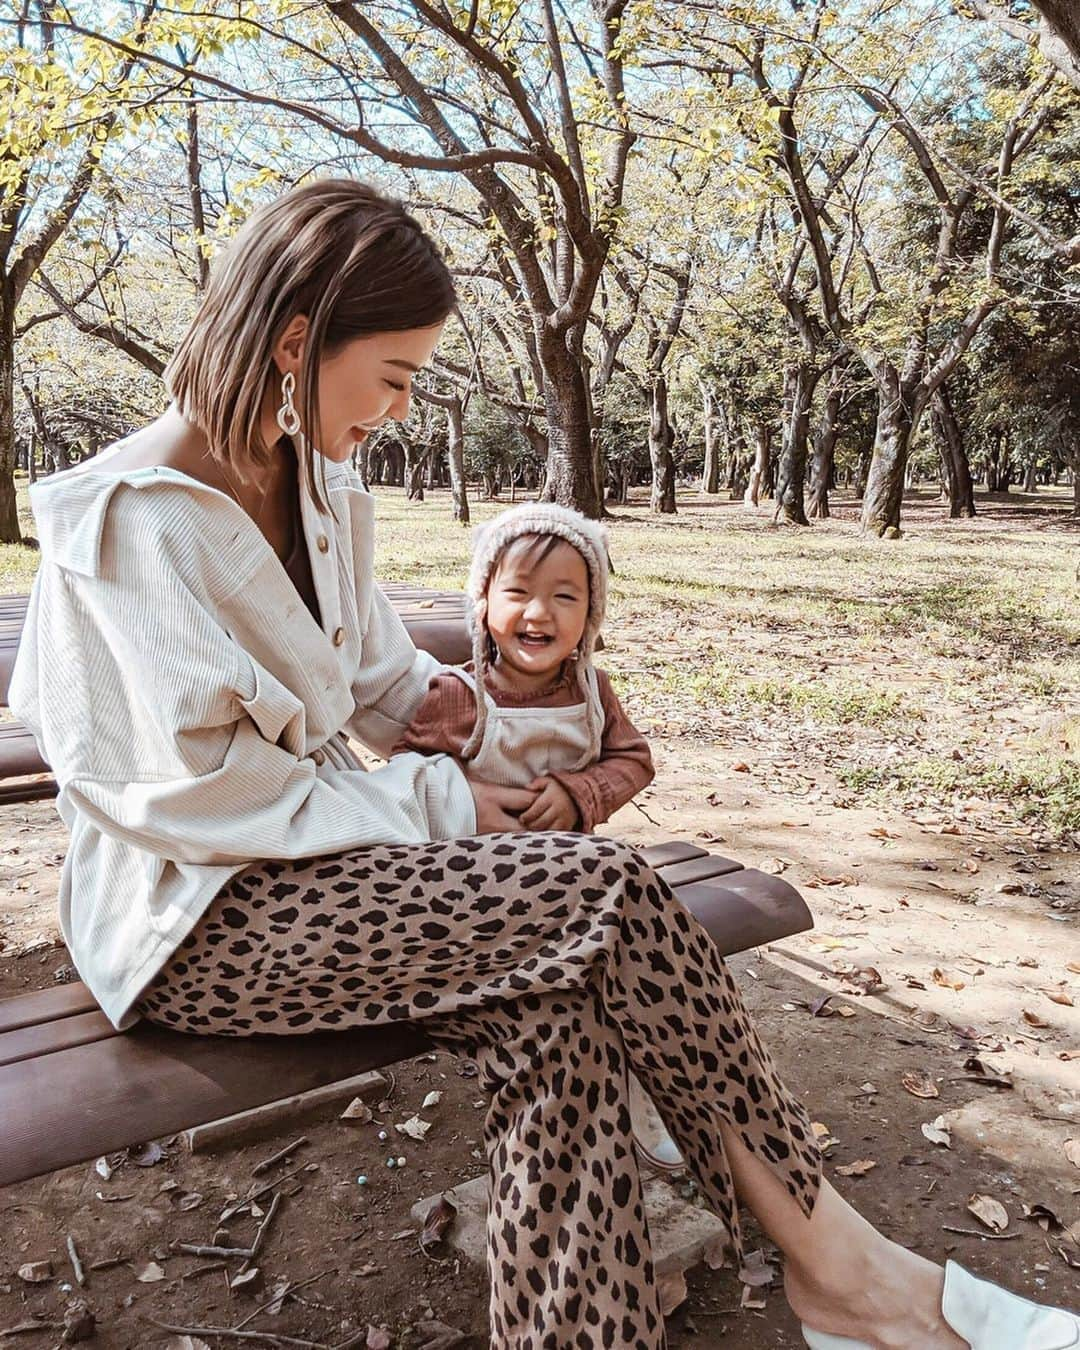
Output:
x=357 y=1110
x=437 y=1222
x=866 y=978
x=146 y=1155
x=856 y=1169
x=738 y=768
x=714 y=1253
x=774 y=866
x=1072 y=1151
x=989 y=1212
x=880 y=832
x=405 y=1232
x=191 y=1200
x=1044 y=1216
x=415 y=1128
x=672 y=1291
x=1059 y=996
x=1028 y=961
x=831 y=944
x=36 y=1272
x=1073 y=966
x=80 y=1323
x=247 y=1281
x=845 y=1011
x=432 y=1099
x=842 y=880
x=1034 y=1020
x=867 y=1089
x=756 y=1270
x=919 y=1085
x=185 y=1343
x=824 y=1136
x=102 y=1168
x=149 y=1273
x=378 y=1338
x=437 y=1335
x=937 y=1132
x=945 y=980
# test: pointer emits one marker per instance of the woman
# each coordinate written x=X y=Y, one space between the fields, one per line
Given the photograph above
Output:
x=204 y=634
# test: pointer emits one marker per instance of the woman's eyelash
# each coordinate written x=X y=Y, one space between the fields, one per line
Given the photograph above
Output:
x=394 y=385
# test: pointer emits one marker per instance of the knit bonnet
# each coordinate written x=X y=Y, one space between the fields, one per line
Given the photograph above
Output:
x=490 y=541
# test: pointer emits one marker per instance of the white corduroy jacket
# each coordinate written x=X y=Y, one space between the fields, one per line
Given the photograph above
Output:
x=196 y=715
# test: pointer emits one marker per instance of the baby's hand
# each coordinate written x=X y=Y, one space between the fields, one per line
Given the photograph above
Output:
x=552 y=809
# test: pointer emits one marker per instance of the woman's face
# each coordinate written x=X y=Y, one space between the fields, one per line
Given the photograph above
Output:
x=366 y=382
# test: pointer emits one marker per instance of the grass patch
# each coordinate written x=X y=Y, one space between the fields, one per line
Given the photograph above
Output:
x=1046 y=789
x=834 y=702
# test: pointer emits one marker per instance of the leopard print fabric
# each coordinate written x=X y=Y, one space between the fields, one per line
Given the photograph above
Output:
x=558 y=962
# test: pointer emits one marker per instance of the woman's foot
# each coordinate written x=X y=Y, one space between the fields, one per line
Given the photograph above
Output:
x=885 y=1297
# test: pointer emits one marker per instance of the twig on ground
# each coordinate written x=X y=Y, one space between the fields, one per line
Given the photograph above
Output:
x=272 y=1336
x=260 y=1236
x=107 y=1262
x=20 y=1328
x=638 y=807
x=279 y=1156
x=208 y=1249
x=230 y=1210
x=288 y=1292
x=975 y=1232
x=76 y=1263
x=202 y=1270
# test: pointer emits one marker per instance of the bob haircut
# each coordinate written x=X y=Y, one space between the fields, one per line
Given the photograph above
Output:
x=336 y=250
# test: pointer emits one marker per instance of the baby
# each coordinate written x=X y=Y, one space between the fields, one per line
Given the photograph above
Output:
x=531 y=710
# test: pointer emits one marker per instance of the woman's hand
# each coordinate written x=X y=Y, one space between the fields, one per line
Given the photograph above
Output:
x=498 y=809
x=552 y=808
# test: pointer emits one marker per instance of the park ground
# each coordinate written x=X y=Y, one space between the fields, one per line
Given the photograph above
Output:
x=894 y=728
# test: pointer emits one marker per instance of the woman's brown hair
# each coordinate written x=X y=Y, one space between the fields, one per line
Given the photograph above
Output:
x=336 y=250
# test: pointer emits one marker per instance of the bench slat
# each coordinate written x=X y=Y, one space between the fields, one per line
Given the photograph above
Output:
x=699 y=869
x=47 y=1038
x=149 y=1082
x=45 y=1005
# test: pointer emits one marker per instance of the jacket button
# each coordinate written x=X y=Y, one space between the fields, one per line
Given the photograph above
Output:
x=322 y=544
x=318 y=757
x=339 y=636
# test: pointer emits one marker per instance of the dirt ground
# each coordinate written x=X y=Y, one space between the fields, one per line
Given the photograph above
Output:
x=992 y=913
x=942 y=977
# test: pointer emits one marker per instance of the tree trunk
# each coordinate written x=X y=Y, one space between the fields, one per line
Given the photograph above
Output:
x=892 y=441
x=456 y=458
x=799 y=381
x=661 y=439
x=9 y=516
x=710 y=473
x=571 y=480
x=954 y=458
x=821 y=473
x=415 y=459
x=759 y=470
x=1031 y=477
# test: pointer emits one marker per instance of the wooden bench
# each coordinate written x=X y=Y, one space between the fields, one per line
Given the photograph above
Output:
x=73 y=1088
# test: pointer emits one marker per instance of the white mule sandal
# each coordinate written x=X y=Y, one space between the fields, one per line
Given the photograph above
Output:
x=986 y=1316
x=654 y=1144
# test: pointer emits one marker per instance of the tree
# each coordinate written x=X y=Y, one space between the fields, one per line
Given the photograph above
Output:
x=65 y=104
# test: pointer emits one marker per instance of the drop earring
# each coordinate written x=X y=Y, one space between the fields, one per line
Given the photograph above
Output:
x=288 y=419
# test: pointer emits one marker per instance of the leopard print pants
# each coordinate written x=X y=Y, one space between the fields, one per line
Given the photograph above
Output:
x=558 y=962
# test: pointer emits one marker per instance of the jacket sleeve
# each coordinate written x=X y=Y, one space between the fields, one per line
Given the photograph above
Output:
x=625 y=765
x=167 y=734
x=442 y=722
x=392 y=681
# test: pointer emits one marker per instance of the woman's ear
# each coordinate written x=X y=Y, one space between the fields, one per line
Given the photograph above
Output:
x=289 y=348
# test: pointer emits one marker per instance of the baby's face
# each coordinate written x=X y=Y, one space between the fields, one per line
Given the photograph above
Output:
x=537 y=609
